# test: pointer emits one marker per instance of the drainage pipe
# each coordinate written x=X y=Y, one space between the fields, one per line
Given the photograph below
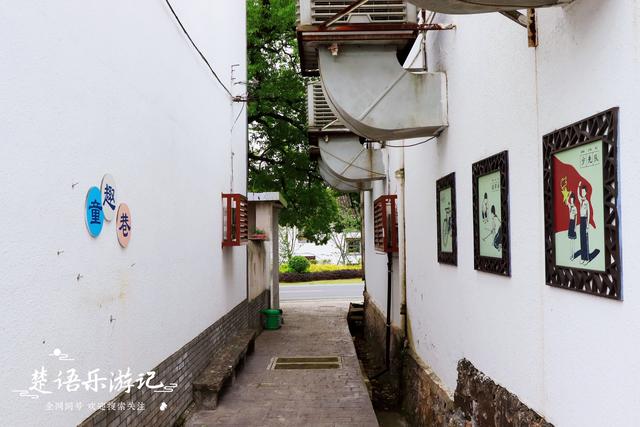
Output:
x=402 y=260
x=387 y=349
x=387 y=354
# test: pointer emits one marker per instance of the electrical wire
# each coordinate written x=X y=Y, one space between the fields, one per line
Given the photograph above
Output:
x=186 y=33
x=411 y=145
x=238 y=116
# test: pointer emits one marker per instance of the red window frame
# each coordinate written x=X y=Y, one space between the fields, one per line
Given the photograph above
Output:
x=385 y=224
x=235 y=229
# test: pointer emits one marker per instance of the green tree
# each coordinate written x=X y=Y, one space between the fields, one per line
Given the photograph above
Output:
x=349 y=221
x=278 y=144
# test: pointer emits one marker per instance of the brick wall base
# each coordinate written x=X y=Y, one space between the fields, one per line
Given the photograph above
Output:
x=478 y=400
x=425 y=400
x=489 y=404
x=182 y=367
x=260 y=302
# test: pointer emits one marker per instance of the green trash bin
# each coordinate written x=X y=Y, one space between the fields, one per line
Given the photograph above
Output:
x=272 y=318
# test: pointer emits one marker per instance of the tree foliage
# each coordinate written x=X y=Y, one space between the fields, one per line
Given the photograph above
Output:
x=298 y=264
x=277 y=114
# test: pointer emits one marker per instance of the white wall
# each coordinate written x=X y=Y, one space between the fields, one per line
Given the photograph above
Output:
x=328 y=252
x=592 y=344
x=89 y=88
x=460 y=312
x=375 y=264
x=569 y=356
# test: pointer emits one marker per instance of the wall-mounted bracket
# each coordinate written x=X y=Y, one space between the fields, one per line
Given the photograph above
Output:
x=532 y=28
x=527 y=21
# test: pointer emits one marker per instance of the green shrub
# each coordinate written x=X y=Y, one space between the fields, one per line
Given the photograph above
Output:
x=299 y=264
x=316 y=268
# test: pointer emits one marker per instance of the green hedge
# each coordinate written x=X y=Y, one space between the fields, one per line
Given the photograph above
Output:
x=318 y=268
x=320 y=275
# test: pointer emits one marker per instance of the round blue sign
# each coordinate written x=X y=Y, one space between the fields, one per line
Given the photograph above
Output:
x=94 y=215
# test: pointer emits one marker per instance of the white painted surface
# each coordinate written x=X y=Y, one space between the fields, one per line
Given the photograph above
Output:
x=94 y=87
x=264 y=210
x=593 y=344
x=375 y=263
x=569 y=356
x=328 y=252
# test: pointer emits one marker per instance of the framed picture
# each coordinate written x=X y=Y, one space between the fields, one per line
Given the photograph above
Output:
x=581 y=206
x=446 y=215
x=491 y=215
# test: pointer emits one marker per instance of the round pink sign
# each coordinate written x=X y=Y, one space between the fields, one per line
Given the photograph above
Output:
x=123 y=225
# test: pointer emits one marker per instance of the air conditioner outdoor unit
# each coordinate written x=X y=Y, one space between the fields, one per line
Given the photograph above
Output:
x=356 y=57
x=344 y=153
x=321 y=118
x=316 y=12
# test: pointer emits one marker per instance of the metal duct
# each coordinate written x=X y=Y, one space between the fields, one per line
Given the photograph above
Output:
x=375 y=97
x=348 y=159
x=455 y=7
x=339 y=184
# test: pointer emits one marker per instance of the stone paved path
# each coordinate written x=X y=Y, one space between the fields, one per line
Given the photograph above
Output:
x=300 y=398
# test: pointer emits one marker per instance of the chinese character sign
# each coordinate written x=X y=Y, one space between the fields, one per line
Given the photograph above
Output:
x=94 y=214
x=123 y=225
x=64 y=379
x=108 y=197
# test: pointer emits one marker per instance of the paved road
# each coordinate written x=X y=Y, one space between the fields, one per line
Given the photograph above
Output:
x=265 y=397
x=326 y=291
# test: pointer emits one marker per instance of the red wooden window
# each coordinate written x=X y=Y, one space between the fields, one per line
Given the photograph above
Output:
x=235 y=230
x=385 y=224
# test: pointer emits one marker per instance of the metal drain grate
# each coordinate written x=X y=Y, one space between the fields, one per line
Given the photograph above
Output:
x=306 y=362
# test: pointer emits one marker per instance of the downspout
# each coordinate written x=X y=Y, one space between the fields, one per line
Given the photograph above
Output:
x=363 y=254
x=387 y=349
x=387 y=352
x=403 y=248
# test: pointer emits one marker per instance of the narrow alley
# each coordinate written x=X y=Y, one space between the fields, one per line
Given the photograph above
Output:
x=262 y=396
x=320 y=213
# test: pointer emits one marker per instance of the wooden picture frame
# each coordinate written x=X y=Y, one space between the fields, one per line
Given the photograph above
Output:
x=582 y=221
x=447 y=220
x=491 y=244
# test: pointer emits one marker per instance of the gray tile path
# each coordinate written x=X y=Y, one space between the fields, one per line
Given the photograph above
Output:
x=301 y=398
